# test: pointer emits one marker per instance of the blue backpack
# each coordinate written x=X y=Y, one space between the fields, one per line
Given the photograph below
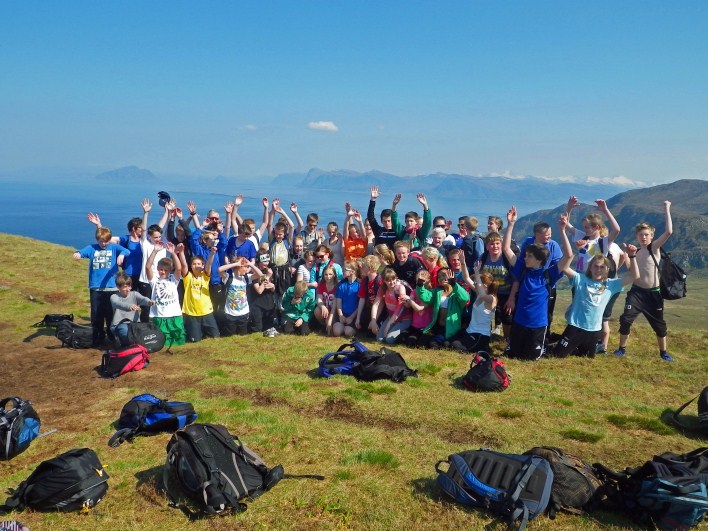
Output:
x=19 y=426
x=148 y=414
x=663 y=493
x=516 y=487
x=343 y=361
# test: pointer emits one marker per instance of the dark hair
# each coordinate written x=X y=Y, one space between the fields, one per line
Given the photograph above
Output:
x=541 y=226
x=134 y=223
x=538 y=251
x=386 y=213
x=154 y=228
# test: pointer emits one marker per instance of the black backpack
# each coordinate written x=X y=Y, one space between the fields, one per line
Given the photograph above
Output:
x=575 y=484
x=702 y=413
x=148 y=414
x=53 y=319
x=386 y=364
x=147 y=335
x=19 y=426
x=664 y=493
x=214 y=470
x=517 y=487
x=71 y=481
x=487 y=373
x=672 y=278
x=74 y=335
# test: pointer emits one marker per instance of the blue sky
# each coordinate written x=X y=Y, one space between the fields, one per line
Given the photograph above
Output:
x=550 y=88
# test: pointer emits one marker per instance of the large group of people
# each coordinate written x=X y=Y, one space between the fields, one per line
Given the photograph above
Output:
x=416 y=282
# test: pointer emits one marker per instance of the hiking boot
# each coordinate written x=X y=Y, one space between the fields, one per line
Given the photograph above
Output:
x=665 y=356
x=620 y=351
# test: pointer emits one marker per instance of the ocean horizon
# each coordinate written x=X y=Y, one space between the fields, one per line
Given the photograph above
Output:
x=56 y=211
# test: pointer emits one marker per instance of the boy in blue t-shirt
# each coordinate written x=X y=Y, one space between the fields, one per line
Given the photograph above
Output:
x=104 y=259
x=528 y=332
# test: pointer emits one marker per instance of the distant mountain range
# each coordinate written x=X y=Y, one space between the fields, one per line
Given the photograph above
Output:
x=689 y=213
x=131 y=174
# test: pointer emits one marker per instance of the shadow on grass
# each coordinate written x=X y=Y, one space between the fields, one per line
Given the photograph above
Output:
x=691 y=430
x=39 y=333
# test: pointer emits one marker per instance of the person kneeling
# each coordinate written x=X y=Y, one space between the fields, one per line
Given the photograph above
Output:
x=298 y=309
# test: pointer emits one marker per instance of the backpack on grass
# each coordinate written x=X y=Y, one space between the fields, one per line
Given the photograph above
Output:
x=702 y=413
x=147 y=335
x=487 y=373
x=148 y=414
x=672 y=278
x=516 y=487
x=386 y=364
x=53 y=319
x=662 y=493
x=214 y=470
x=575 y=484
x=19 y=426
x=117 y=362
x=74 y=335
x=343 y=361
x=72 y=481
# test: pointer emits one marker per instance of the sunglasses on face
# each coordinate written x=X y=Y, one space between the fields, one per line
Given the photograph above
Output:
x=439 y=226
x=319 y=256
x=213 y=219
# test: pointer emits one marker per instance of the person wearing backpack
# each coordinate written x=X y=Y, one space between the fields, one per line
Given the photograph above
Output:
x=644 y=297
x=592 y=292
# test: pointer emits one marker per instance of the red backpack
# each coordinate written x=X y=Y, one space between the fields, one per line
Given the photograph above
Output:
x=487 y=373
x=117 y=362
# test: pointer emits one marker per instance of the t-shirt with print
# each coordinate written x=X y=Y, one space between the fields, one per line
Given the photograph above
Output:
x=589 y=251
x=326 y=295
x=236 y=299
x=164 y=293
x=197 y=302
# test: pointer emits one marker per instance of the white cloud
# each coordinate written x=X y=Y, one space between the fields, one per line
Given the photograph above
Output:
x=249 y=127
x=323 y=126
x=620 y=180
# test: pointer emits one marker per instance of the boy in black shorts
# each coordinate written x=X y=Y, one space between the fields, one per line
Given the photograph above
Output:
x=644 y=297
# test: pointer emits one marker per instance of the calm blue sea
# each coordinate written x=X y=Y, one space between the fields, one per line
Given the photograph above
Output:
x=56 y=211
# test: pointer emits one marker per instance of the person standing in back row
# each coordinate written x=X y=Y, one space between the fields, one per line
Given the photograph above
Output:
x=645 y=297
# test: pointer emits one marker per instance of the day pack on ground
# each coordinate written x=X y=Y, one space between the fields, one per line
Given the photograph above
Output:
x=516 y=487
x=117 y=362
x=356 y=360
x=664 y=493
x=487 y=373
x=148 y=414
x=71 y=481
x=343 y=361
x=74 y=335
x=214 y=470
x=575 y=484
x=19 y=426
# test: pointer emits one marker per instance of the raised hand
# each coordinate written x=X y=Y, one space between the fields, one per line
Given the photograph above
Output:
x=630 y=249
x=275 y=205
x=293 y=207
x=572 y=203
x=171 y=247
x=146 y=204
x=265 y=202
x=563 y=221
x=397 y=199
x=511 y=215
x=238 y=200
x=94 y=218
x=601 y=205
x=320 y=233
x=375 y=193
x=422 y=200
x=191 y=206
x=228 y=207
x=348 y=208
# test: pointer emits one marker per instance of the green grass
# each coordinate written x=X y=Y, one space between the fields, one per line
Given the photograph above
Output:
x=375 y=443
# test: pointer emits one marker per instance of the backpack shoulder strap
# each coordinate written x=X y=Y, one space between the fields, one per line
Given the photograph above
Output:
x=675 y=416
x=651 y=253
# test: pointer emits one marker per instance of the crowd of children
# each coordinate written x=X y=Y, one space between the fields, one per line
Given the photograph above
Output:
x=413 y=282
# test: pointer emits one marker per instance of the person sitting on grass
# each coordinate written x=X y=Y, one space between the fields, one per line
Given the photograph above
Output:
x=298 y=309
x=422 y=313
x=392 y=293
x=236 y=311
x=592 y=291
x=368 y=289
x=477 y=335
x=346 y=301
x=326 y=291
x=261 y=297
x=644 y=296
x=126 y=304
x=448 y=300
x=166 y=313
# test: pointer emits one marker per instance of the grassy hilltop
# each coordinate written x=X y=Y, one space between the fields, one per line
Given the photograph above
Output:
x=376 y=443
